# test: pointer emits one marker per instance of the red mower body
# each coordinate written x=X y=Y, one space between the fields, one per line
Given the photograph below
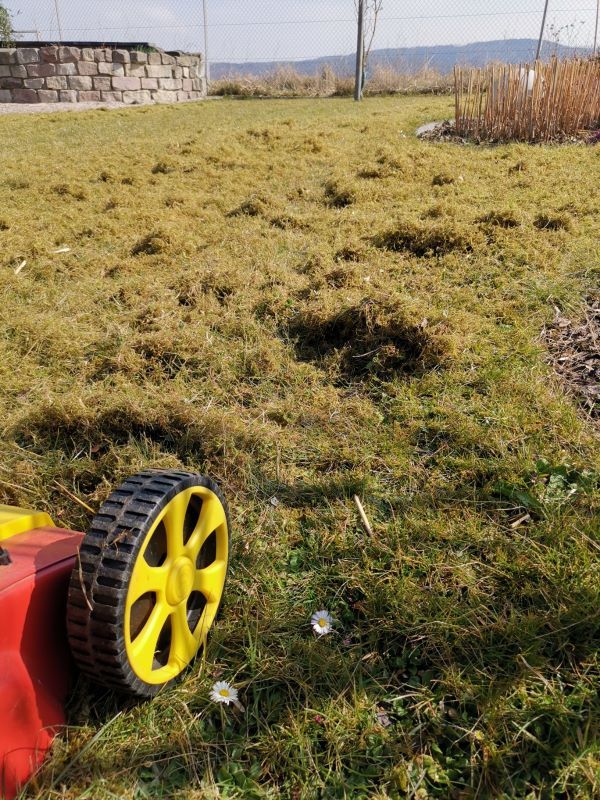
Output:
x=35 y=662
x=56 y=584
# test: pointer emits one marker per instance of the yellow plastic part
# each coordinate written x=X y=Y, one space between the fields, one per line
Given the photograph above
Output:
x=20 y=520
x=172 y=583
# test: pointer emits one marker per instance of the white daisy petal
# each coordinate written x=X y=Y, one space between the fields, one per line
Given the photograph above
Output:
x=322 y=622
x=223 y=692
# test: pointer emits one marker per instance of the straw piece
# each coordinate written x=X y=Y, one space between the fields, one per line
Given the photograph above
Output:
x=363 y=516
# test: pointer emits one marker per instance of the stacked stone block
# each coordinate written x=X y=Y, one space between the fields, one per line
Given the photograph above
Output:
x=77 y=75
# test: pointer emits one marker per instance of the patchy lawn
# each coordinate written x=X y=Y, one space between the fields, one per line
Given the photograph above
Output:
x=303 y=300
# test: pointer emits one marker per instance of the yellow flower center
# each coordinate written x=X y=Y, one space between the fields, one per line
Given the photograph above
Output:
x=224 y=692
x=322 y=622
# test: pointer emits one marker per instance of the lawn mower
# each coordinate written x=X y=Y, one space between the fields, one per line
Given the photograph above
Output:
x=129 y=603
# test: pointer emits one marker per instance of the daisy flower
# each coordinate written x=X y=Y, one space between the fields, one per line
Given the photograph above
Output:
x=224 y=692
x=322 y=622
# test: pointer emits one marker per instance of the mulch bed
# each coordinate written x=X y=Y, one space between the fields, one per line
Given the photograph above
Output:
x=574 y=352
x=443 y=132
x=446 y=132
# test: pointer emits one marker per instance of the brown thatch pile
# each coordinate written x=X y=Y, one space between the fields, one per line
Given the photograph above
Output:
x=574 y=347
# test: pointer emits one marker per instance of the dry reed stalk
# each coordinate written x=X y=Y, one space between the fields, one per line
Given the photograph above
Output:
x=528 y=102
x=457 y=94
x=363 y=516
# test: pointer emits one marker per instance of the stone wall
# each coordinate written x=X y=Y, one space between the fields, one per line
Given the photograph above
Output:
x=76 y=75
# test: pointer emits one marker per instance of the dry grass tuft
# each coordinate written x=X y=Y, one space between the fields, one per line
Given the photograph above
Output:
x=520 y=166
x=554 y=222
x=350 y=253
x=162 y=168
x=341 y=277
x=425 y=240
x=198 y=289
x=66 y=190
x=152 y=245
x=371 y=339
x=372 y=173
x=16 y=184
x=286 y=222
x=340 y=193
x=506 y=218
x=394 y=160
x=443 y=179
x=171 y=427
x=255 y=206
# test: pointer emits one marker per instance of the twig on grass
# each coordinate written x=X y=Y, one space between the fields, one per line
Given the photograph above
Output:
x=520 y=520
x=82 y=583
x=363 y=516
x=16 y=486
x=74 y=497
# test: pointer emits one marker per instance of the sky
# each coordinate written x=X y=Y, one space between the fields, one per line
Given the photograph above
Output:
x=271 y=30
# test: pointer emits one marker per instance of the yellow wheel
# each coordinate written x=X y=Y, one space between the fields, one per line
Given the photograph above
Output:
x=149 y=581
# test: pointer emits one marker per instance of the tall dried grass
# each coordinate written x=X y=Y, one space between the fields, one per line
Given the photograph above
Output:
x=285 y=81
x=533 y=102
x=393 y=80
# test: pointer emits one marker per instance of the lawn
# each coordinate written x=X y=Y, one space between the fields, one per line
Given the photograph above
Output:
x=306 y=302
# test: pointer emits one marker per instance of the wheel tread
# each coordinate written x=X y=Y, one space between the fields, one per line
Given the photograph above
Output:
x=100 y=577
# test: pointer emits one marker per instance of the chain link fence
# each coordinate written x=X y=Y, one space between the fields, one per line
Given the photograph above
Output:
x=244 y=37
x=171 y=24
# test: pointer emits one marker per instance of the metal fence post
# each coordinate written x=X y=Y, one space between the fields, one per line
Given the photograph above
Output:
x=58 y=22
x=539 y=47
x=206 y=64
x=360 y=52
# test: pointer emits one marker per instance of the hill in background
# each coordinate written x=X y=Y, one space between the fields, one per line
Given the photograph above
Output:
x=442 y=58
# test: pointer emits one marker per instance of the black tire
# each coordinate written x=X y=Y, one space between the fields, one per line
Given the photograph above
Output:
x=101 y=576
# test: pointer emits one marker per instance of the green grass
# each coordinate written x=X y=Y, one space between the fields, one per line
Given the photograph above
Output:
x=287 y=296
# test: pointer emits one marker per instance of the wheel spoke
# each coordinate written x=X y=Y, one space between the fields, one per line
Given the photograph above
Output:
x=146 y=579
x=184 y=645
x=210 y=580
x=174 y=519
x=145 y=643
x=212 y=517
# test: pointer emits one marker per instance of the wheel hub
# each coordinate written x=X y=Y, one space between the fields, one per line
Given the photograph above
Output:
x=180 y=581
